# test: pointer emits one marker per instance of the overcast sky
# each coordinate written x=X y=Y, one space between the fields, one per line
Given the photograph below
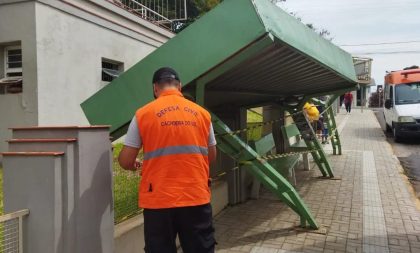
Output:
x=368 y=22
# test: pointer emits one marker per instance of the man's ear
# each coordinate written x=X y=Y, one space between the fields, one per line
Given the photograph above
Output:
x=155 y=90
x=179 y=86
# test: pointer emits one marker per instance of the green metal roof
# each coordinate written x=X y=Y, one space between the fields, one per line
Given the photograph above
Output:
x=246 y=51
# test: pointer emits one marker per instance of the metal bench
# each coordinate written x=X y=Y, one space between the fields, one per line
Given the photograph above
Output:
x=284 y=165
x=294 y=143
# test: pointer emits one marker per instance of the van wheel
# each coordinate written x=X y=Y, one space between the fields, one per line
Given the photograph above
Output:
x=397 y=137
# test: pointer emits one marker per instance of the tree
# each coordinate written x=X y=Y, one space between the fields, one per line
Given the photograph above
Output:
x=197 y=8
x=323 y=32
x=375 y=99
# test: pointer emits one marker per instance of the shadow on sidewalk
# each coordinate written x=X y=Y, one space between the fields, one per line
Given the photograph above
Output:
x=266 y=218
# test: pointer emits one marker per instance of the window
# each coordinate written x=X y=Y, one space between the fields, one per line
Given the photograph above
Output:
x=13 y=61
x=12 y=80
x=391 y=93
x=111 y=69
x=407 y=93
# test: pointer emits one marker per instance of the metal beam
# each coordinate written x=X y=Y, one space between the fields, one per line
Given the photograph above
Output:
x=262 y=170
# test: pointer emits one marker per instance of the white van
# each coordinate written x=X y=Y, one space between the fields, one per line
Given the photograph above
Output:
x=402 y=103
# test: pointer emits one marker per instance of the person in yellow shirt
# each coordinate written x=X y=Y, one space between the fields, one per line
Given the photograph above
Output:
x=313 y=116
x=311 y=111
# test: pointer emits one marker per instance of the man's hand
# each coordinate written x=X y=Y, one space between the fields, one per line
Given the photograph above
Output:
x=138 y=164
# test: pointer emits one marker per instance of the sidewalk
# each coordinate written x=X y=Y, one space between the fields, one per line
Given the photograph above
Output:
x=371 y=209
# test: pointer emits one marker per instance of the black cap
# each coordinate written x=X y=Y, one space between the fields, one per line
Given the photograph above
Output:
x=165 y=73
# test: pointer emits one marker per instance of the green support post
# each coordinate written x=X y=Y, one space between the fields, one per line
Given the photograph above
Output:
x=329 y=118
x=332 y=126
x=199 y=93
x=312 y=143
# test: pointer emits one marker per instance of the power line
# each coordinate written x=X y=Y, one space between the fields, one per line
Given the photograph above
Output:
x=392 y=52
x=382 y=43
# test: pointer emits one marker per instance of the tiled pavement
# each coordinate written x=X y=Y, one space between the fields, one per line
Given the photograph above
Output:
x=371 y=209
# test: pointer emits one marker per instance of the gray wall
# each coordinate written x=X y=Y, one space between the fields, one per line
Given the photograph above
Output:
x=19 y=109
x=33 y=182
x=62 y=47
x=70 y=50
x=1 y=57
x=83 y=187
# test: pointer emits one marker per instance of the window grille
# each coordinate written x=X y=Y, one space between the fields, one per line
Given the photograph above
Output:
x=111 y=70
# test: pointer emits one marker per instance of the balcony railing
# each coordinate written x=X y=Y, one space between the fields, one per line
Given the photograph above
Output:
x=363 y=68
x=161 y=12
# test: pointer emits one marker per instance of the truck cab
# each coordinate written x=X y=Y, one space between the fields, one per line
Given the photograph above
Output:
x=402 y=103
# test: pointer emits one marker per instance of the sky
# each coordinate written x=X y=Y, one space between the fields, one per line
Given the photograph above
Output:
x=355 y=22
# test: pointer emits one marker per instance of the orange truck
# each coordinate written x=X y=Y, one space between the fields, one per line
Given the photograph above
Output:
x=402 y=102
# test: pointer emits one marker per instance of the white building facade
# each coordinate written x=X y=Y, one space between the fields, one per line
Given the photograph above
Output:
x=54 y=54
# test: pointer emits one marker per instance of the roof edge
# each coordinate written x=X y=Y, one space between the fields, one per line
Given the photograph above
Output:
x=296 y=34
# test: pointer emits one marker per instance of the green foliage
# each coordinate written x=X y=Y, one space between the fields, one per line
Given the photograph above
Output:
x=195 y=9
x=254 y=118
x=204 y=6
x=322 y=32
x=375 y=100
x=1 y=190
x=125 y=189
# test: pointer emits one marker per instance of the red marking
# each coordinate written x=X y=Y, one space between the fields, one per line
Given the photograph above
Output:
x=32 y=153
x=41 y=140
x=59 y=127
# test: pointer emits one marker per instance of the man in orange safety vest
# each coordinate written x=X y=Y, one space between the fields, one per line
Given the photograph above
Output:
x=178 y=144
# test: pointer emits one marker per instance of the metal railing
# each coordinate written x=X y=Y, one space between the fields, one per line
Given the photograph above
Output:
x=125 y=188
x=160 y=12
x=11 y=232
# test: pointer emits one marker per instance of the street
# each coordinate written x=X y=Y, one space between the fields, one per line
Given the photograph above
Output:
x=407 y=151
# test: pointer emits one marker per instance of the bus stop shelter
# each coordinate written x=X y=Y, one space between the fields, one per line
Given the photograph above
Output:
x=242 y=54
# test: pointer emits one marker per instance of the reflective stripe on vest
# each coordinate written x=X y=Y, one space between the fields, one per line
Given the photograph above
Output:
x=175 y=150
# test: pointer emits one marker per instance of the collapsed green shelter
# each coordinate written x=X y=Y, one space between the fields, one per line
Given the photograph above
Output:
x=243 y=53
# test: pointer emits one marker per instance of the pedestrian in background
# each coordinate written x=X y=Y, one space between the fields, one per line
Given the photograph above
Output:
x=321 y=123
x=348 y=100
x=178 y=144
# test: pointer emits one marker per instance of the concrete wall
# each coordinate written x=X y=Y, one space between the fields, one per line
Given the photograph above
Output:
x=70 y=51
x=34 y=183
x=129 y=235
x=83 y=177
x=364 y=95
x=18 y=109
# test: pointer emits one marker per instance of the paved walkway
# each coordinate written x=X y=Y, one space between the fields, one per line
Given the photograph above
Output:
x=371 y=209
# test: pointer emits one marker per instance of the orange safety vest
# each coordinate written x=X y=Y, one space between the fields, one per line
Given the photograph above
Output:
x=175 y=135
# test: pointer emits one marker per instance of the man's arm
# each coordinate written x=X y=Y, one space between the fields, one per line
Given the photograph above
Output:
x=212 y=153
x=127 y=158
x=132 y=146
x=212 y=145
